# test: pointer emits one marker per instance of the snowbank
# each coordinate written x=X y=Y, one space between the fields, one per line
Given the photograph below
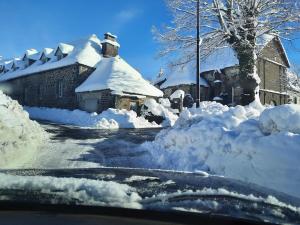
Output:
x=246 y=143
x=19 y=136
x=85 y=191
x=159 y=110
x=281 y=118
x=109 y=119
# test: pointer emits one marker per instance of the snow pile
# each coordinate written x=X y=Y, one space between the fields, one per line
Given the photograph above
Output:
x=165 y=102
x=242 y=142
x=117 y=75
x=159 y=110
x=284 y=118
x=109 y=119
x=19 y=136
x=85 y=191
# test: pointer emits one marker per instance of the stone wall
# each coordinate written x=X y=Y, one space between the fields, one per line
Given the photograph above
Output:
x=294 y=97
x=96 y=101
x=129 y=103
x=53 y=88
x=271 y=98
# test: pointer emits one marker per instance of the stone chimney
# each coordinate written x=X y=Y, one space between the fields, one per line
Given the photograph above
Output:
x=110 y=46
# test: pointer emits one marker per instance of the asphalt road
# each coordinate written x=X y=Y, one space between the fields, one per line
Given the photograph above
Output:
x=75 y=147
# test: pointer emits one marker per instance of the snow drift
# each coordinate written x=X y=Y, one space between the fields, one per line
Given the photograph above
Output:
x=109 y=119
x=248 y=143
x=19 y=136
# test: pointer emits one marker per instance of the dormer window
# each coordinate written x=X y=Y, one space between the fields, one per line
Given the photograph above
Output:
x=30 y=57
x=46 y=55
x=63 y=50
x=14 y=67
x=44 y=58
x=60 y=55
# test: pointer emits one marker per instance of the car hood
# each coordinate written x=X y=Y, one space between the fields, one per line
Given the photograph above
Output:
x=150 y=190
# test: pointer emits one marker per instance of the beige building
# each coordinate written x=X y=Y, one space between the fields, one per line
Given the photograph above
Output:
x=220 y=75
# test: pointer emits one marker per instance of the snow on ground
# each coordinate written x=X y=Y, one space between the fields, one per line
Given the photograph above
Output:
x=19 y=136
x=109 y=119
x=248 y=143
x=86 y=191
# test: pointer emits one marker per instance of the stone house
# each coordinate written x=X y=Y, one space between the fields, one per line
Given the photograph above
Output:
x=220 y=75
x=49 y=78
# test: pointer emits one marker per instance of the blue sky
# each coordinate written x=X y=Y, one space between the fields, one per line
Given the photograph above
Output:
x=38 y=24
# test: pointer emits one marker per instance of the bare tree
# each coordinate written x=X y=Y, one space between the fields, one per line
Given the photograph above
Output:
x=237 y=23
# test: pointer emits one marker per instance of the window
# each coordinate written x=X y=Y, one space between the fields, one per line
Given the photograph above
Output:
x=60 y=89
x=295 y=100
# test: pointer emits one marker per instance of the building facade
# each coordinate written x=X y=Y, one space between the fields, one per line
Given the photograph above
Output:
x=221 y=72
x=50 y=78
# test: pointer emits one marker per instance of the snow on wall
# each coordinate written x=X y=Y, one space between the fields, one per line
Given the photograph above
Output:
x=246 y=143
x=109 y=119
x=19 y=136
x=117 y=75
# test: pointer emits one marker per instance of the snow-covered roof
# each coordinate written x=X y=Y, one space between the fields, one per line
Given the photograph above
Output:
x=65 y=48
x=47 y=52
x=180 y=76
x=221 y=58
x=31 y=54
x=224 y=57
x=17 y=62
x=117 y=75
x=86 y=51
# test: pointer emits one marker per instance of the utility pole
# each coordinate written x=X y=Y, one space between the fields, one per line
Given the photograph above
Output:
x=198 y=57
